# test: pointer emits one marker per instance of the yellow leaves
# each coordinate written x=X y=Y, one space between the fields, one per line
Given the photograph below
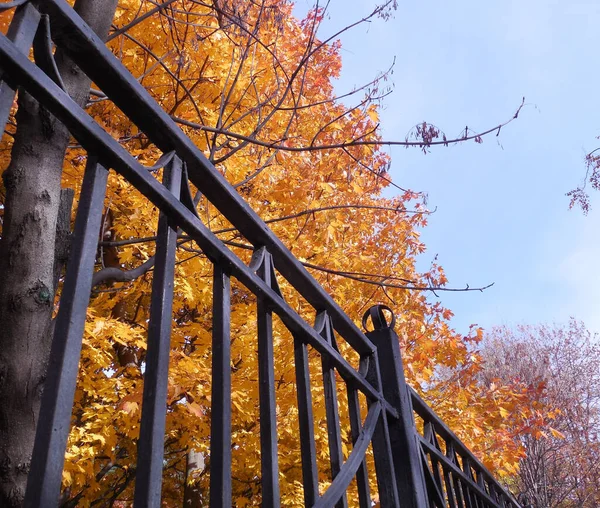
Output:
x=356 y=187
x=239 y=400
x=345 y=450
x=185 y=289
x=195 y=409
x=327 y=187
x=130 y=407
x=174 y=392
x=556 y=434
x=114 y=331
x=98 y=326
x=96 y=437
x=372 y=244
x=66 y=477
x=508 y=469
x=372 y=113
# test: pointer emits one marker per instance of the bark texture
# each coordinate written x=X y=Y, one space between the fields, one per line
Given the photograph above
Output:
x=192 y=495
x=28 y=259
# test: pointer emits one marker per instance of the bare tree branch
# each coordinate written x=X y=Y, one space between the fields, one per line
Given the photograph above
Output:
x=276 y=145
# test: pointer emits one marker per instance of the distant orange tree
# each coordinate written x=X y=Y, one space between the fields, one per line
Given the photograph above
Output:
x=561 y=467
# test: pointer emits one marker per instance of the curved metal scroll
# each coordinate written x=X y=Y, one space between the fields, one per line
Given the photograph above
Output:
x=378 y=318
x=339 y=485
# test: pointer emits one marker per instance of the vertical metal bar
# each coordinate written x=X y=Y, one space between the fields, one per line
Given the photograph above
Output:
x=492 y=491
x=466 y=493
x=456 y=483
x=334 y=438
x=462 y=493
x=266 y=380
x=429 y=434
x=362 y=475
x=45 y=475
x=306 y=423
x=469 y=472
x=154 y=403
x=406 y=448
x=21 y=32
x=382 y=446
x=436 y=498
x=220 y=423
x=382 y=449
x=480 y=480
x=496 y=495
x=466 y=488
x=449 y=489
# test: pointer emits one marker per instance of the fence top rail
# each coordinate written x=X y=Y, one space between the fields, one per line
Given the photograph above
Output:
x=424 y=411
x=88 y=51
x=93 y=136
x=96 y=60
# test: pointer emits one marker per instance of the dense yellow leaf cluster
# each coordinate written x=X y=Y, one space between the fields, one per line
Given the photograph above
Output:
x=259 y=78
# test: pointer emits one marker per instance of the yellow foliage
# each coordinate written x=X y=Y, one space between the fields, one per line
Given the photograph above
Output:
x=325 y=205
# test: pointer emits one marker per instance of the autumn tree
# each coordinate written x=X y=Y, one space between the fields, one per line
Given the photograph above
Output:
x=252 y=87
x=491 y=414
x=32 y=255
x=561 y=466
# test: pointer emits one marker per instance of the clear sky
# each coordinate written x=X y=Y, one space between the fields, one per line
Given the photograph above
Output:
x=502 y=214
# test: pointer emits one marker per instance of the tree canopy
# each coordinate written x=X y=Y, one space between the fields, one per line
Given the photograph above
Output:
x=560 y=468
x=253 y=88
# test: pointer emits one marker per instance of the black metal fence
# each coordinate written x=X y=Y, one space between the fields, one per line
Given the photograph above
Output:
x=412 y=469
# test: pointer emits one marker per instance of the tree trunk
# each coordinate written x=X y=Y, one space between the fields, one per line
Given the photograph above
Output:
x=27 y=262
x=192 y=496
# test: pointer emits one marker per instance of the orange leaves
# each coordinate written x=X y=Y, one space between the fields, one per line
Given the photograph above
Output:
x=555 y=367
x=373 y=115
x=195 y=409
x=130 y=407
x=491 y=417
x=238 y=97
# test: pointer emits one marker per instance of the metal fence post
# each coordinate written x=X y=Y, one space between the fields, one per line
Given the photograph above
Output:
x=406 y=449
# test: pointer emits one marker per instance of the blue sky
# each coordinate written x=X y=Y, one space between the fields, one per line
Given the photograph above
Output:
x=502 y=214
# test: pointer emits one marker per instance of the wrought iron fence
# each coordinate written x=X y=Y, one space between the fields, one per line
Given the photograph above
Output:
x=412 y=469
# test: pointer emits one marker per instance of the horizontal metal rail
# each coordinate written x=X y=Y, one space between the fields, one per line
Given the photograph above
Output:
x=96 y=140
x=389 y=424
x=85 y=48
x=422 y=409
x=456 y=470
